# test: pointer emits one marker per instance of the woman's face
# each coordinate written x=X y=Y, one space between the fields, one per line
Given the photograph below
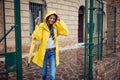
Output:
x=51 y=19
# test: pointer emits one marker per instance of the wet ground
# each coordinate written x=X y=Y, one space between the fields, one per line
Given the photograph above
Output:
x=70 y=68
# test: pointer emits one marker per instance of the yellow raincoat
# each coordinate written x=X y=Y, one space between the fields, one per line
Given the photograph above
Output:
x=42 y=33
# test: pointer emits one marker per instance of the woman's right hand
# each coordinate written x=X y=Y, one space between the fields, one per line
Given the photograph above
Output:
x=37 y=20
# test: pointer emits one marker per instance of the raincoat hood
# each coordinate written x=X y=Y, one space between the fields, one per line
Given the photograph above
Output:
x=48 y=14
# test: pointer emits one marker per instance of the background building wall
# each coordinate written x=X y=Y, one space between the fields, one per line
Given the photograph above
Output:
x=66 y=9
x=110 y=21
x=25 y=25
x=9 y=19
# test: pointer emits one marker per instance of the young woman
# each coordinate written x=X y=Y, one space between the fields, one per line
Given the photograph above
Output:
x=48 y=51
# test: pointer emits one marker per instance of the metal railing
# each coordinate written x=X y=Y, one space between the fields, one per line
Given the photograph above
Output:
x=4 y=36
x=94 y=30
x=13 y=60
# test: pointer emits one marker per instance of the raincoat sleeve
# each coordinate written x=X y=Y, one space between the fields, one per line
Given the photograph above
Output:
x=36 y=36
x=31 y=51
x=62 y=28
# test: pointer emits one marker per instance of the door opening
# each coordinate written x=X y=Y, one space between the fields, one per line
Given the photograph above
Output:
x=80 y=24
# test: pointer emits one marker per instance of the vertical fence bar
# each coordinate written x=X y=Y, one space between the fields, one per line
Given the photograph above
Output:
x=101 y=42
x=18 y=39
x=91 y=41
x=5 y=47
x=98 y=27
x=86 y=27
x=115 y=11
x=4 y=24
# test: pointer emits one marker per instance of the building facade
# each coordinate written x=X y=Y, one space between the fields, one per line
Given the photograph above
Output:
x=72 y=12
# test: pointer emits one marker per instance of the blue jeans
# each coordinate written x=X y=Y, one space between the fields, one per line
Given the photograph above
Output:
x=49 y=57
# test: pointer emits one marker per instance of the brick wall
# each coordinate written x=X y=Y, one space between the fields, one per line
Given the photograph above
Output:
x=110 y=22
x=9 y=20
x=25 y=26
x=9 y=14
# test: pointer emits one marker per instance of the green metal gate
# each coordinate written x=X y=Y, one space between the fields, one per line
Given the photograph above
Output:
x=94 y=12
x=13 y=60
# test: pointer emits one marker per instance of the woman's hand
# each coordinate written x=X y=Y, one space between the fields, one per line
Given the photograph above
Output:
x=37 y=20
x=58 y=18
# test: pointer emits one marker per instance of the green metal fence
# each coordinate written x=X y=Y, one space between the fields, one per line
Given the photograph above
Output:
x=96 y=43
x=13 y=60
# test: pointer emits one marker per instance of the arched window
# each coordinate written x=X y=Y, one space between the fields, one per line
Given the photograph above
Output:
x=80 y=24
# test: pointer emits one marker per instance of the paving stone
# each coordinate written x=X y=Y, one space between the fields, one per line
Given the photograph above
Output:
x=68 y=69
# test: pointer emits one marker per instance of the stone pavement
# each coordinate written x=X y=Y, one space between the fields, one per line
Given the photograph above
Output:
x=70 y=68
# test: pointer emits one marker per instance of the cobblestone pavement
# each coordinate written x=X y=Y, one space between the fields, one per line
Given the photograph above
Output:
x=70 y=68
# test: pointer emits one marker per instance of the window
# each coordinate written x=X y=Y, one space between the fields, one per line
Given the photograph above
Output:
x=35 y=11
